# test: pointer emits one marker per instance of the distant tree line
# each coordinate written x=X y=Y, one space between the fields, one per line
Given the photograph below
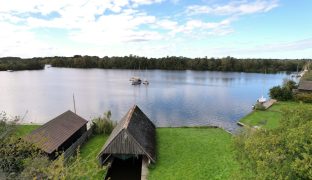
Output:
x=16 y=64
x=178 y=63
x=166 y=63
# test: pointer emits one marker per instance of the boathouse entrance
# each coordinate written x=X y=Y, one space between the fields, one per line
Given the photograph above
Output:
x=129 y=168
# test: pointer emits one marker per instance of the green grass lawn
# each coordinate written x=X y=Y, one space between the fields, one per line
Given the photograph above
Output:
x=22 y=130
x=88 y=165
x=271 y=117
x=193 y=153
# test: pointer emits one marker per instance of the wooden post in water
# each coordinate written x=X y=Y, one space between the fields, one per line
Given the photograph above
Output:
x=74 y=103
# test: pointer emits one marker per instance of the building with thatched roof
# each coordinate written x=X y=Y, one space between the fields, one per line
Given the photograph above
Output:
x=59 y=133
x=305 y=86
x=133 y=139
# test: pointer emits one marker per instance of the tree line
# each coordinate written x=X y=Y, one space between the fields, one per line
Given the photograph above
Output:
x=16 y=64
x=165 y=63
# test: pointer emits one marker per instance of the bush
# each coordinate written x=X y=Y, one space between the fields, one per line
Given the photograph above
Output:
x=304 y=97
x=283 y=93
x=281 y=153
x=103 y=124
x=259 y=106
x=289 y=84
x=13 y=152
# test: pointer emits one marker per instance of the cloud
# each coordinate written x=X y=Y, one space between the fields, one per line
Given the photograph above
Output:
x=234 y=8
x=137 y=3
x=303 y=44
x=285 y=49
x=114 y=27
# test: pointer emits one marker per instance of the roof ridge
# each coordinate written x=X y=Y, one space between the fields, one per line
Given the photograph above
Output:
x=129 y=116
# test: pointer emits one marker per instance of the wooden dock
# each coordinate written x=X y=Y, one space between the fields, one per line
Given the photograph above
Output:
x=269 y=103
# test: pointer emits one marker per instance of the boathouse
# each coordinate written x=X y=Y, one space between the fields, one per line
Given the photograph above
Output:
x=59 y=133
x=305 y=86
x=130 y=147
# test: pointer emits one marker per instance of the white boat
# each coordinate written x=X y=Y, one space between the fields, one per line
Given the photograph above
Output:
x=136 y=81
x=262 y=99
x=9 y=70
x=146 y=82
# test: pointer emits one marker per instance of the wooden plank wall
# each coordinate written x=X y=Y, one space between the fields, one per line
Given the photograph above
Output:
x=72 y=149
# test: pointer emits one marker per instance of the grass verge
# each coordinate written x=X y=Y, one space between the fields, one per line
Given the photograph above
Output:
x=88 y=166
x=271 y=117
x=193 y=153
x=22 y=130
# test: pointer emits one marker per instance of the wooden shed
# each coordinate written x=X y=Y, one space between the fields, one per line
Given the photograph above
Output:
x=134 y=135
x=59 y=133
x=305 y=86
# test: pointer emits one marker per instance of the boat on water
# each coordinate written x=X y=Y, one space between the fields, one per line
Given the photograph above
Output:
x=10 y=70
x=135 y=81
x=262 y=99
x=145 y=82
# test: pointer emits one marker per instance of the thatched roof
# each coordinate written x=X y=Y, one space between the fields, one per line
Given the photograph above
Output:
x=134 y=135
x=305 y=85
x=50 y=136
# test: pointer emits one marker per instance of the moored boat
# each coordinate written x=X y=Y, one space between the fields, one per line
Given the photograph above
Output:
x=136 y=81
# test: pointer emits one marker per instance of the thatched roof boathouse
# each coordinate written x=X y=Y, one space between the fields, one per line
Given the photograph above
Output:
x=59 y=133
x=134 y=135
x=131 y=144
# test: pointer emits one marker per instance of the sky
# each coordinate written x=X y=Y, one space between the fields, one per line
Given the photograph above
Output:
x=156 y=28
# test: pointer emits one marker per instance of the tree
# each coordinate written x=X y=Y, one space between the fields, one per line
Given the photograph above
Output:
x=283 y=93
x=282 y=153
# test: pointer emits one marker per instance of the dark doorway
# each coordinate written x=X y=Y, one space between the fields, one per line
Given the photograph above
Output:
x=129 y=169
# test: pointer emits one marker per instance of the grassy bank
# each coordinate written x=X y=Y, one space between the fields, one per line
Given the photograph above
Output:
x=88 y=166
x=22 y=130
x=271 y=117
x=193 y=153
x=183 y=153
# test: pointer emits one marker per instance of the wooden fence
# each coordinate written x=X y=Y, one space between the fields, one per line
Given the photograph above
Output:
x=73 y=148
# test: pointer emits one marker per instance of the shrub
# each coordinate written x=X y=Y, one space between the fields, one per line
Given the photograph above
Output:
x=304 y=97
x=259 y=106
x=281 y=153
x=13 y=152
x=289 y=84
x=283 y=93
x=103 y=124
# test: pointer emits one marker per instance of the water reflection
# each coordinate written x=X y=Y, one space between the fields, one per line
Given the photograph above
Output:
x=173 y=98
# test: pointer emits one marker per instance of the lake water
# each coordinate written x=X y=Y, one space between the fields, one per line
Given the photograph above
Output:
x=173 y=98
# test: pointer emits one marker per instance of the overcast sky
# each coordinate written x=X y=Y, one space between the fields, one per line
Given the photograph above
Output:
x=155 y=28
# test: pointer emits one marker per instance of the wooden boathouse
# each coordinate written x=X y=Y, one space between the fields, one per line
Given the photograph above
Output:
x=305 y=86
x=59 y=133
x=130 y=147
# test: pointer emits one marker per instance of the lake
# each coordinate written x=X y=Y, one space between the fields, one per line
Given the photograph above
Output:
x=173 y=98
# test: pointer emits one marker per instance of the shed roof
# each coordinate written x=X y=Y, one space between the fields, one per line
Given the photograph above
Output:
x=50 y=136
x=305 y=85
x=134 y=134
